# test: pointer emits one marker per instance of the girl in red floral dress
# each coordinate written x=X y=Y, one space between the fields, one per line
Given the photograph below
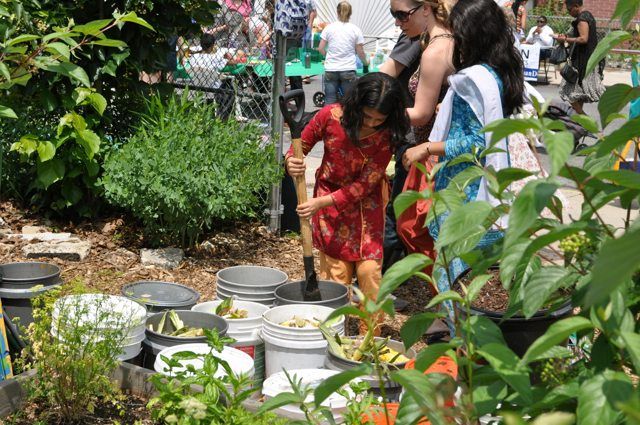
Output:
x=347 y=210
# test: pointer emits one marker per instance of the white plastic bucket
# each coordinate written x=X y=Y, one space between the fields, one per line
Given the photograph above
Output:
x=239 y=362
x=299 y=348
x=276 y=315
x=246 y=332
x=278 y=383
x=248 y=325
x=282 y=354
x=103 y=312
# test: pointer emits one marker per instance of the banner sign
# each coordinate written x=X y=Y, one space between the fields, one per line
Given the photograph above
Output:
x=531 y=58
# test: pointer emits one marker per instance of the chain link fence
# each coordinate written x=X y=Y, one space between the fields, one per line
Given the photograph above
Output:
x=231 y=63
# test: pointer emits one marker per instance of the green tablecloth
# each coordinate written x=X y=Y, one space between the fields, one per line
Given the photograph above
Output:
x=292 y=69
x=296 y=69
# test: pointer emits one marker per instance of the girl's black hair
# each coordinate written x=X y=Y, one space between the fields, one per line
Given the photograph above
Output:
x=569 y=3
x=482 y=36
x=380 y=92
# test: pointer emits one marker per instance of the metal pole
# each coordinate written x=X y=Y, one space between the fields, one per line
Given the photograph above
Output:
x=277 y=88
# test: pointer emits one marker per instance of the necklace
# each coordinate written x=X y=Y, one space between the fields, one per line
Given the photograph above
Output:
x=432 y=39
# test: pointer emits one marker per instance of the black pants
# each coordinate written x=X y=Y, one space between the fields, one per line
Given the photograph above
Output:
x=393 y=247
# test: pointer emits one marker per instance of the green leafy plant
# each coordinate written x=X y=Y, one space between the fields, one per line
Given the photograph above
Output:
x=359 y=400
x=65 y=152
x=591 y=381
x=220 y=399
x=601 y=269
x=184 y=170
x=63 y=61
x=72 y=368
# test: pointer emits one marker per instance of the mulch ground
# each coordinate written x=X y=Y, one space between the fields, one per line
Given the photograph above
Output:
x=131 y=410
x=114 y=259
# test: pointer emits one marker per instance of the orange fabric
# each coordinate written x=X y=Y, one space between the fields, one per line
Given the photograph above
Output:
x=411 y=224
x=444 y=364
x=368 y=272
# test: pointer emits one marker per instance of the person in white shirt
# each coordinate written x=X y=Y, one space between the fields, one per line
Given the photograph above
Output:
x=207 y=63
x=340 y=42
x=541 y=34
x=204 y=69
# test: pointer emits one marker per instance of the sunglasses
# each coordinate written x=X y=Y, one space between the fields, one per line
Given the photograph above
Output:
x=403 y=16
x=541 y=21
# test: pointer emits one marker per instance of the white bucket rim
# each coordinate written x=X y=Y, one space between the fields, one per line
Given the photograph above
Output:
x=252 y=266
x=296 y=344
x=267 y=301
x=231 y=355
x=278 y=383
x=245 y=321
x=133 y=312
x=267 y=322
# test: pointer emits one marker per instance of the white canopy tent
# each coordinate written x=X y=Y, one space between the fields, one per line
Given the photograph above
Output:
x=371 y=16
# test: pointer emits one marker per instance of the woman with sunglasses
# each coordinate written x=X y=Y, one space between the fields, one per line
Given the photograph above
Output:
x=588 y=88
x=427 y=86
x=488 y=85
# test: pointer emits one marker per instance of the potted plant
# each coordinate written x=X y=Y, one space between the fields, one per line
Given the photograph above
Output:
x=589 y=382
x=519 y=330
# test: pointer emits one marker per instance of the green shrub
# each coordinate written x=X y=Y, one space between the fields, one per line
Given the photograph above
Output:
x=184 y=170
x=72 y=369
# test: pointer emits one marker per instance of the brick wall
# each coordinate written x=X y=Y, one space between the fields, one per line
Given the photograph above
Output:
x=602 y=9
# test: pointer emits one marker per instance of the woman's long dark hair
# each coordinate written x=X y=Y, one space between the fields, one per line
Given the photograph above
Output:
x=380 y=92
x=482 y=35
x=515 y=6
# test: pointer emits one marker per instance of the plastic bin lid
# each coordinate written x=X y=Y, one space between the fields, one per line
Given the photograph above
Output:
x=164 y=294
x=278 y=383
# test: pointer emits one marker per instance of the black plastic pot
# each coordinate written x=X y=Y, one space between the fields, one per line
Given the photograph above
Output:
x=194 y=319
x=392 y=388
x=518 y=331
x=332 y=294
x=156 y=342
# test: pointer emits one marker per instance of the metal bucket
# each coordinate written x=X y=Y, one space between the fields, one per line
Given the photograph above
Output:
x=156 y=342
x=333 y=294
x=20 y=282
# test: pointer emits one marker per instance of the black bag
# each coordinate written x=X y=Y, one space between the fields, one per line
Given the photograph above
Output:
x=558 y=55
x=569 y=72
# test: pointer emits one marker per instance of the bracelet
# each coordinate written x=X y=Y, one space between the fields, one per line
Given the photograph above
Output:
x=428 y=148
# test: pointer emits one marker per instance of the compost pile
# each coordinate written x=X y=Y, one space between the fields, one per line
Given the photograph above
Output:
x=226 y=310
x=363 y=349
x=180 y=331
x=300 y=322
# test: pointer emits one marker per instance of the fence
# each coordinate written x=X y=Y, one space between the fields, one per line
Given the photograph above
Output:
x=231 y=63
x=562 y=25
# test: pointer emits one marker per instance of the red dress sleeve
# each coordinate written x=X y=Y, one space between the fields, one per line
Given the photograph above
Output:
x=313 y=132
x=373 y=172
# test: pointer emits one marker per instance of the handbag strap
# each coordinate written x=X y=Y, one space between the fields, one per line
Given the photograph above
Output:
x=573 y=46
